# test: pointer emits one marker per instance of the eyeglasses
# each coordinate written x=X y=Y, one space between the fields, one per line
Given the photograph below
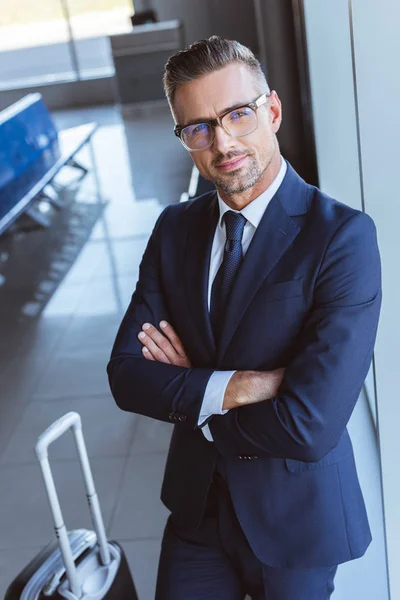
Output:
x=238 y=122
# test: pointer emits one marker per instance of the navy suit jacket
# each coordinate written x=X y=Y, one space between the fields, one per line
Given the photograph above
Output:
x=307 y=297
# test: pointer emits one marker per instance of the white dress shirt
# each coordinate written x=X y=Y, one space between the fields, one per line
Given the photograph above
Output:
x=217 y=384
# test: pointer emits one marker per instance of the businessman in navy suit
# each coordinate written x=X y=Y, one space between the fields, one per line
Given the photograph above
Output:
x=251 y=329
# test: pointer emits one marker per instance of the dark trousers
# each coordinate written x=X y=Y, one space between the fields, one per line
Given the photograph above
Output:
x=215 y=562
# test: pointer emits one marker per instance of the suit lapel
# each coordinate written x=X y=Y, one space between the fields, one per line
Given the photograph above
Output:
x=275 y=234
x=200 y=236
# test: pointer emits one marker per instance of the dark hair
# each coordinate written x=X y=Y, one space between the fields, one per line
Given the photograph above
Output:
x=206 y=56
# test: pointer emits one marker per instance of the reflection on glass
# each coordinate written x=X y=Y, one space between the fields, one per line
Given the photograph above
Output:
x=33 y=43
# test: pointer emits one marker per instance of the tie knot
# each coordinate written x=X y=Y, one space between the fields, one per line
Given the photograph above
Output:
x=234 y=223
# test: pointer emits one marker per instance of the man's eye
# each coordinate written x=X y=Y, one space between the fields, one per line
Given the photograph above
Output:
x=200 y=128
x=238 y=114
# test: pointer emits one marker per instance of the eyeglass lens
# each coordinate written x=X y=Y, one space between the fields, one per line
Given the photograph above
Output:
x=238 y=122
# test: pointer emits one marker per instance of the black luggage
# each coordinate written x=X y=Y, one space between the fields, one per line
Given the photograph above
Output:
x=82 y=565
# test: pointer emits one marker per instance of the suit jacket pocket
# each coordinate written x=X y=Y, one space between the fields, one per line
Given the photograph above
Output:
x=283 y=289
x=341 y=451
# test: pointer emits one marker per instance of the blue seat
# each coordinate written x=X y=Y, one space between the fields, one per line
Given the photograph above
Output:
x=27 y=132
x=32 y=151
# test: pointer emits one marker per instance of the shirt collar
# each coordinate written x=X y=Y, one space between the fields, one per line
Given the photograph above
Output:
x=255 y=210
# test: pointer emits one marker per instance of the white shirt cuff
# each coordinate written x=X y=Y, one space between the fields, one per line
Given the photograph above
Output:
x=214 y=398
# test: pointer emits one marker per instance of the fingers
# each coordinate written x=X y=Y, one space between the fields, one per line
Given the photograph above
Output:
x=154 y=348
x=147 y=354
x=169 y=331
x=163 y=347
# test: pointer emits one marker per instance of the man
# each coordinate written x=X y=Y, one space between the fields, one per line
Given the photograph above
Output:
x=251 y=328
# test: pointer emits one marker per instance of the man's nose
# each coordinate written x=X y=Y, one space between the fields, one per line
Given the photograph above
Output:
x=223 y=141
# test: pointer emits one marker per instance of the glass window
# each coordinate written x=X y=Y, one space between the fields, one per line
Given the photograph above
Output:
x=58 y=40
x=33 y=43
x=91 y=22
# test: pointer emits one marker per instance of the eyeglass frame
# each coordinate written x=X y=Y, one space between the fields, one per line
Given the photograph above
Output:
x=260 y=101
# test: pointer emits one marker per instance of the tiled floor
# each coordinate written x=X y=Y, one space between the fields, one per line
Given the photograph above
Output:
x=61 y=305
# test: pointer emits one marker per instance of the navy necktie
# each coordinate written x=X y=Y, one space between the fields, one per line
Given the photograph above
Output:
x=225 y=278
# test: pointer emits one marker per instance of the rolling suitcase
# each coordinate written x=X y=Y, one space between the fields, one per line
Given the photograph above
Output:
x=82 y=564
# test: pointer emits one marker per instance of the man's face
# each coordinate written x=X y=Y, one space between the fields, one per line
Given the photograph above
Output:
x=234 y=165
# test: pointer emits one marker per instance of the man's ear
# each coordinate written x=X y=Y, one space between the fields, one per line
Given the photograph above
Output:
x=275 y=108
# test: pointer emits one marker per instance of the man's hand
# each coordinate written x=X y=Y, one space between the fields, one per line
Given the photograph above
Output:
x=163 y=347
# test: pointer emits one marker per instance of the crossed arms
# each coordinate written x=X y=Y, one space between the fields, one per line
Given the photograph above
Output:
x=244 y=387
x=301 y=416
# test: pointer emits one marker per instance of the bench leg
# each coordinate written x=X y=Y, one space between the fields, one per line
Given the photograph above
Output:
x=74 y=163
x=95 y=172
x=38 y=217
x=50 y=195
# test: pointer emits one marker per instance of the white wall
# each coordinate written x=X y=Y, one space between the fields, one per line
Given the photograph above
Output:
x=353 y=50
x=377 y=54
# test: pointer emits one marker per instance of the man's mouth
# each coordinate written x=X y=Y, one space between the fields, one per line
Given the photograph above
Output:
x=232 y=164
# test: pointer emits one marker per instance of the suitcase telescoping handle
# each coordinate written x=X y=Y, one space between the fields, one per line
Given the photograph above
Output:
x=52 y=433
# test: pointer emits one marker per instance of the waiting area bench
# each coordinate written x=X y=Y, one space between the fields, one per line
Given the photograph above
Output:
x=32 y=152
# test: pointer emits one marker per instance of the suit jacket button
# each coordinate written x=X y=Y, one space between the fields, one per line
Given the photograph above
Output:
x=182 y=418
x=171 y=416
x=241 y=457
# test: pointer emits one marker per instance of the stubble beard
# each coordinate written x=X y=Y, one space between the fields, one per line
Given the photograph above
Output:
x=237 y=182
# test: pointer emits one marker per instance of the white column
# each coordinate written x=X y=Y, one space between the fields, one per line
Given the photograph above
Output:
x=377 y=52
